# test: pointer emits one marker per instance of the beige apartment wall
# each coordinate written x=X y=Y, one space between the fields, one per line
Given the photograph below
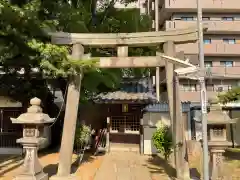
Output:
x=194 y=96
x=216 y=83
x=216 y=48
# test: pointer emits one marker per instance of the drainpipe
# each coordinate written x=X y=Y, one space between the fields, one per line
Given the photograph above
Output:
x=231 y=130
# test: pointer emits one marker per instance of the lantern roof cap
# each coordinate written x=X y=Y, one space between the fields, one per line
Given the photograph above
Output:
x=34 y=114
x=218 y=116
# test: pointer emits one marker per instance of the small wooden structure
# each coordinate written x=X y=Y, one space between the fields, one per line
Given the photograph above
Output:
x=217 y=129
x=125 y=110
x=121 y=41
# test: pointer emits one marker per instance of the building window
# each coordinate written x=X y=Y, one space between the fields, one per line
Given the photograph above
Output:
x=205 y=18
x=189 y=87
x=229 y=41
x=187 y=18
x=207 y=41
x=226 y=63
x=208 y=63
x=227 y=18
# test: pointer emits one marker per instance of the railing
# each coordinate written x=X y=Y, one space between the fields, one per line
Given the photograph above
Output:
x=222 y=70
x=125 y=124
x=206 y=4
x=9 y=133
x=218 y=48
x=8 y=139
x=212 y=25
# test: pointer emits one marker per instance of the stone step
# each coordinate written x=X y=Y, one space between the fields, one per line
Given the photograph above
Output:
x=10 y=164
x=124 y=147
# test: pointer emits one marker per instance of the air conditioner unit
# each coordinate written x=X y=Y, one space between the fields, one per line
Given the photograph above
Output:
x=220 y=89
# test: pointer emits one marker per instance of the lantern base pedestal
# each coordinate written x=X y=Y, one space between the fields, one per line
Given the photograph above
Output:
x=40 y=176
x=70 y=177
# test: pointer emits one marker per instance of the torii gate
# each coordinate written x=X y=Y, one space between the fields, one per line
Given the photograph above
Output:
x=122 y=41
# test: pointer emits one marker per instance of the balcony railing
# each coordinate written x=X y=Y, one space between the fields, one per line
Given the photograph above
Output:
x=214 y=26
x=190 y=96
x=218 y=49
x=218 y=5
x=223 y=71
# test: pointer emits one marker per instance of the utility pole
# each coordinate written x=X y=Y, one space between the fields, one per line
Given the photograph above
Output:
x=203 y=93
x=156 y=3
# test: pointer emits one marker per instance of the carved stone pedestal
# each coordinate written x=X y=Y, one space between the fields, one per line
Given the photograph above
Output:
x=31 y=169
x=216 y=164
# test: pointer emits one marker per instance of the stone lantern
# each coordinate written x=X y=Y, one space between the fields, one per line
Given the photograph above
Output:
x=33 y=122
x=217 y=138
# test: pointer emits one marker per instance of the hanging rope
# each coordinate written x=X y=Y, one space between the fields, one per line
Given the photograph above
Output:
x=64 y=96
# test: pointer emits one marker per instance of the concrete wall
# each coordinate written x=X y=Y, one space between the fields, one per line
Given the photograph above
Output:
x=47 y=135
x=236 y=129
x=150 y=122
x=11 y=151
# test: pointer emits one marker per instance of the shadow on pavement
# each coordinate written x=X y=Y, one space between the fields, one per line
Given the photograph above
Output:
x=194 y=173
x=232 y=154
x=161 y=166
x=51 y=169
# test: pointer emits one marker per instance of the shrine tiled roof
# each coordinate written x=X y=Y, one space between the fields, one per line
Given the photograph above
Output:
x=131 y=90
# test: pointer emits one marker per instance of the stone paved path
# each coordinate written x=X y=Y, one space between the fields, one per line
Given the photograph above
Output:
x=123 y=166
x=112 y=166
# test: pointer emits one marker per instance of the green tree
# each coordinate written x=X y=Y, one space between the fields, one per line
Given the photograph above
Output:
x=24 y=44
x=230 y=96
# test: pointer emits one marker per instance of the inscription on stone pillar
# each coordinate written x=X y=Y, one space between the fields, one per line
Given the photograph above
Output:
x=29 y=132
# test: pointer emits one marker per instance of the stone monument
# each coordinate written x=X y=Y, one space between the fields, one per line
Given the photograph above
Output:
x=217 y=136
x=33 y=122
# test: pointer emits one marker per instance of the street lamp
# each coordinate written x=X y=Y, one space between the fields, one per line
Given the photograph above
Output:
x=203 y=93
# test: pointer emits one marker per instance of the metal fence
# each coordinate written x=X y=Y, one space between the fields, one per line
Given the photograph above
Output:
x=9 y=132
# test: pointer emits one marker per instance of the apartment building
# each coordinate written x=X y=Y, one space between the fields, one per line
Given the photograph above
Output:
x=140 y=4
x=221 y=41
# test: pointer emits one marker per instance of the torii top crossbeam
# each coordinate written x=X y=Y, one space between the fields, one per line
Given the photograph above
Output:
x=140 y=39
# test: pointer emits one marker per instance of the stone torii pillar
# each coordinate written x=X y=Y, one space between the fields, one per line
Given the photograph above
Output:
x=169 y=50
x=70 y=120
x=175 y=111
x=181 y=156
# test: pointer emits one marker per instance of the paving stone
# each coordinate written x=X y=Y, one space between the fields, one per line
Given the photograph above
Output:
x=123 y=166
